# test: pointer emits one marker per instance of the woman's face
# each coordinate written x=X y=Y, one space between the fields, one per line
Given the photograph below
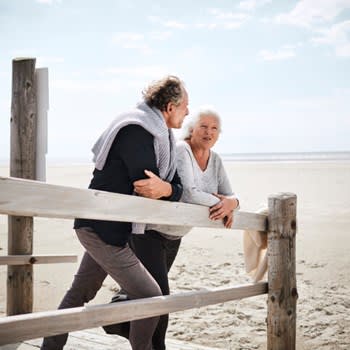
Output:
x=205 y=132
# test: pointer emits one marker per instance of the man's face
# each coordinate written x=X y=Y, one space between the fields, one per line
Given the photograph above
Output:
x=177 y=114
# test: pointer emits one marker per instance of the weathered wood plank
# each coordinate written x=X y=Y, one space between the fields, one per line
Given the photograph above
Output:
x=281 y=316
x=36 y=259
x=33 y=198
x=95 y=339
x=48 y=323
x=23 y=165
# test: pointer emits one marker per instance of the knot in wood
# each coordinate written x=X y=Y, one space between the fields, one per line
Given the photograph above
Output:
x=32 y=260
x=294 y=293
x=293 y=225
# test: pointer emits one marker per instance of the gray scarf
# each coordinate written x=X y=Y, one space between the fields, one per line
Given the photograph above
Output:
x=152 y=120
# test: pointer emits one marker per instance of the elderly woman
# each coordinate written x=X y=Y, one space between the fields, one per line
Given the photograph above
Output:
x=204 y=182
x=201 y=170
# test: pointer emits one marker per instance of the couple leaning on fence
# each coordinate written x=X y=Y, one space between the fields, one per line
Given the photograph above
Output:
x=137 y=154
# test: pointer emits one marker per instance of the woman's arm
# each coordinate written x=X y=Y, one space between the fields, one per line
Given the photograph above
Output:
x=228 y=200
x=191 y=193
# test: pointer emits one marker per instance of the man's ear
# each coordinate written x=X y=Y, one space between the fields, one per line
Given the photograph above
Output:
x=169 y=107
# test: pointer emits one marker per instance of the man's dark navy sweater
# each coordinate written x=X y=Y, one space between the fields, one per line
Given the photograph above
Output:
x=131 y=153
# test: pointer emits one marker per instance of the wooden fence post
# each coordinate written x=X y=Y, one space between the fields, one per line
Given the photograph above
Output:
x=282 y=293
x=22 y=164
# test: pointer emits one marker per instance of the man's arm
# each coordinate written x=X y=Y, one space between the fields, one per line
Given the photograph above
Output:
x=135 y=147
x=154 y=187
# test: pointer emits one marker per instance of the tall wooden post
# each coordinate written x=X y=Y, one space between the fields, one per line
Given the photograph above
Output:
x=282 y=294
x=22 y=164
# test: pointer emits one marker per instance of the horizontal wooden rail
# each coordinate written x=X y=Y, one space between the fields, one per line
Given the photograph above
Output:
x=41 y=324
x=36 y=259
x=34 y=198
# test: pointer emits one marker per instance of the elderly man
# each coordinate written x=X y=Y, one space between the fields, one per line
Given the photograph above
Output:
x=136 y=154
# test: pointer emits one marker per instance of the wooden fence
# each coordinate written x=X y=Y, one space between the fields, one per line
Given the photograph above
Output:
x=36 y=199
x=24 y=199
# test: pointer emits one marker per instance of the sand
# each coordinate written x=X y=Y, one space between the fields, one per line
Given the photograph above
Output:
x=213 y=258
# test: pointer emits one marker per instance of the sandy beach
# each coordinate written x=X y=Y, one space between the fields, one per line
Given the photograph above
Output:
x=212 y=258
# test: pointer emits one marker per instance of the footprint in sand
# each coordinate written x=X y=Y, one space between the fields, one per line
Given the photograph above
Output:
x=317 y=265
x=46 y=283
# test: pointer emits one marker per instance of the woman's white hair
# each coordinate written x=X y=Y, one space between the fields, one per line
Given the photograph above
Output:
x=194 y=119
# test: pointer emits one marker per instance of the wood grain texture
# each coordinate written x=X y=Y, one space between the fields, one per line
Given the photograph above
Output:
x=33 y=198
x=23 y=165
x=97 y=339
x=37 y=259
x=282 y=296
x=48 y=323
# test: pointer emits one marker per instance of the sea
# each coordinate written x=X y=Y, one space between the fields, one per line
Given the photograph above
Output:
x=287 y=156
x=238 y=157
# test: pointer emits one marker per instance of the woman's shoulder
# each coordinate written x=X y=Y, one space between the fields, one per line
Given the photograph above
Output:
x=215 y=156
x=216 y=159
x=181 y=144
x=182 y=147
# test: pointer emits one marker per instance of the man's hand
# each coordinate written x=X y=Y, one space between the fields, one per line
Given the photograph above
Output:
x=153 y=187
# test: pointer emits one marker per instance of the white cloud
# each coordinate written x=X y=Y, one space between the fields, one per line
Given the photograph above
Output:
x=309 y=12
x=160 y=35
x=140 y=71
x=228 y=20
x=84 y=86
x=232 y=24
x=48 y=2
x=169 y=23
x=46 y=60
x=201 y=25
x=26 y=52
x=338 y=36
x=250 y=5
x=143 y=47
x=34 y=53
x=129 y=40
x=333 y=106
x=123 y=37
x=306 y=14
x=139 y=41
x=281 y=54
x=175 y=24
x=230 y=15
x=218 y=19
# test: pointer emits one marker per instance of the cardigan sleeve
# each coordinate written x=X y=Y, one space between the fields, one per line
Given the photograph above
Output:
x=191 y=193
x=177 y=189
x=224 y=184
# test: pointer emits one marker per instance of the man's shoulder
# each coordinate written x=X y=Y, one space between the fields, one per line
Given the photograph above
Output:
x=132 y=134
x=134 y=130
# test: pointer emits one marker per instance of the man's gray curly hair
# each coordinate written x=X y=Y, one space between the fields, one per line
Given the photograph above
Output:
x=159 y=93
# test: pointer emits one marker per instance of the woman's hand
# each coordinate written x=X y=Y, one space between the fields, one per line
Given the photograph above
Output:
x=222 y=209
x=228 y=220
x=153 y=187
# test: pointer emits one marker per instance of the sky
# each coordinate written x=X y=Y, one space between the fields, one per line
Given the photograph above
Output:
x=277 y=71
